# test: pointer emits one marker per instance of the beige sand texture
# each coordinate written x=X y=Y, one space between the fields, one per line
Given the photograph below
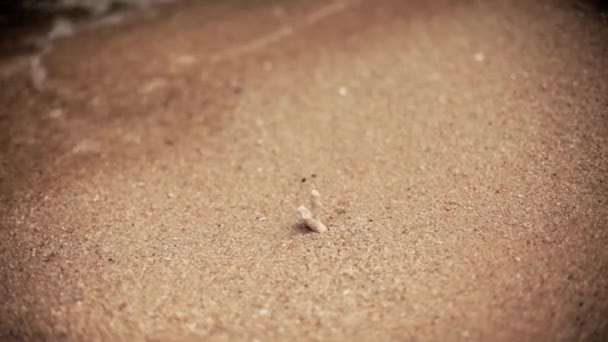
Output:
x=149 y=189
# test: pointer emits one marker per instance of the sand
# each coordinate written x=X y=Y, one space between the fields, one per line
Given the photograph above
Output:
x=459 y=147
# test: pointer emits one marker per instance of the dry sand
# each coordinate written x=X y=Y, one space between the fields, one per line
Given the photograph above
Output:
x=460 y=148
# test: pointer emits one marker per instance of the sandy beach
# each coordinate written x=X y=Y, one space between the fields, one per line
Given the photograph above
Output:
x=149 y=183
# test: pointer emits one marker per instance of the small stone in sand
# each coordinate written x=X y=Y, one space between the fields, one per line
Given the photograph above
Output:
x=56 y=113
x=479 y=57
x=260 y=217
x=343 y=91
x=185 y=60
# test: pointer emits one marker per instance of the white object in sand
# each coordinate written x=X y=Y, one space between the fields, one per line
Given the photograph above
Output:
x=308 y=217
x=315 y=201
x=309 y=221
x=343 y=91
x=479 y=57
